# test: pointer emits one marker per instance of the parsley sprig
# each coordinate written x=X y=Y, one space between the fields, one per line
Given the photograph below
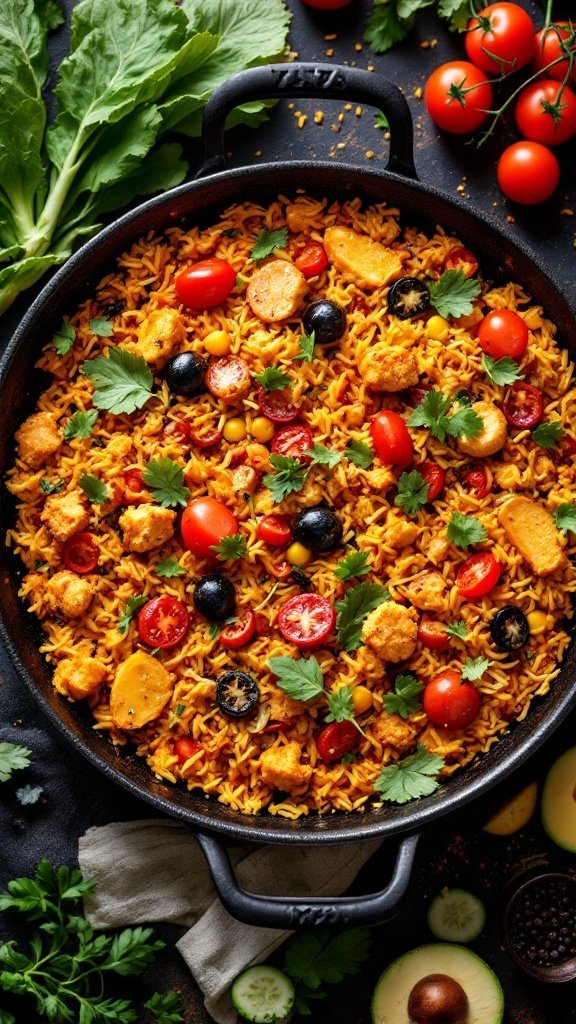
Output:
x=273 y=378
x=63 y=339
x=412 y=777
x=465 y=530
x=433 y=413
x=165 y=479
x=360 y=453
x=547 y=434
x=169 y=568
x=565 y=517
x=412 y=492
x=459 y=630
x=268 y=241
x=307 y=343
x=313 y=959
x=123 y=381
x=289 y=476
x=501 y=371
x=404 y=700
x=452 y=294
x=354 y=564
x=13 y=757
x=474 y=668
x=356 y=604
x=230 y=548
x=300 y=678
x=94 y=489
x=320 y=455
x=340 y=705
x=101 y=328
x=133 y=605
x=81 y=424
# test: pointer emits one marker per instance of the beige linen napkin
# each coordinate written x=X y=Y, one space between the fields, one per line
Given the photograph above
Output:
x=154 y=870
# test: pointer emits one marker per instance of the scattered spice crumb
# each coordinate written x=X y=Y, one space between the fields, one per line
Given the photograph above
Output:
x=510 y=219
x=330 y=52
x=348 y=106
x=387 y=136
x=418 y=92
x=302 y=120
x=340 y=118
x=425 y=44
x=567 y=212
x=369 y=154
x=371 y=68
x=460 y=188
x=358 y=47
x=335 y=128
x=318 y=116
x=290 y=106
x=330 y=37
x=340 y=145
x=258 y=152
x=358 y=111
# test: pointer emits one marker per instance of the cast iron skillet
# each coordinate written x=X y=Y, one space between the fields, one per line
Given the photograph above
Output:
x=202 y=201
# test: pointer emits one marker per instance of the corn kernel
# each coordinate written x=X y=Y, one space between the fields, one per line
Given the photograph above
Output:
x=234 y=429
x=361 y=699
x=262 y=429
x=297 y=554
x=537 y=621
x=218 y=343
x=437 y=328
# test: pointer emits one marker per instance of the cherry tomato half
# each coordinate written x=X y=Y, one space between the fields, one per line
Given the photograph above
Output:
x=461 y=259
x=81 y=553
x=524 y=406
x=501 y=38
x=135 y=490
x=337 y=739
x=186 y=748
x=312 y=259
x=180 y=430
x=207 y=439
x=433 y=475
x=205 y=284
x=276 y=406
x=478 y=575
x=432 y=634
x=476 y=479
x=392 y=442
x=274 y=530
x=239 y=633
x=205 y=521
x=503 y=333
x=306 y=620
x=546 y=112
x=549 y=49
x=449 y=702
x=293 y=441
x=458 y=97
x=528 y=173
x=163 y=622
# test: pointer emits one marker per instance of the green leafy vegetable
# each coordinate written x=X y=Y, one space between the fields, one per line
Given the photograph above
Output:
x=273 y=379
x=170 y=567
x=300 y=678
x=457 y=13
x=51 y=486
x=474 y=668
x=230 y=548
x=412 y=777
x=565 y=517
x=355 y=564
x=102 y=328
x=412 y=492
x=29 y=794
x=313 y=959
x=13 y=757
x=433 y=413
x=404 y=701
x=123 y=381
x=307 y=342
x=457 y=629
x=356 y=604
x=93 y=488
x=320 y=455
x=166 y=1007
x=268 y=241
x=165 y=478
x=501 y=371
x=340 y=705
x=390 y=22
x=465 y=530
x=133 y=605
x=81 y=424
x=64 y=338
x=452 y=294
x=548 y=434
x=290 y=475
x=360 y=454
x=465 y=422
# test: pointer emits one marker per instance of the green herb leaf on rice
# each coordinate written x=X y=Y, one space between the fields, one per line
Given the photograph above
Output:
x=404 y=701
x=565 y=517
x=80 y=425
x=300 y=678
x=268 y=241
x=230 y=548
x=133 y=605
x=64 y=339
x=465 y=530
x=459 y=630
x=123 y=381
x=453 y=293
x=341 y=705
x=101 y=328
x=412 y=492
x=360 y=453
x=474 y=668
x=169 y=568
x=502 y=371
x=547 y=435
x=165 y=479
x=307 y=343
x=94 y=489
x=290 y=475
x=320 y=455
x=356 y=604
x=355 y=564
x=412 y=777
x=274 y=378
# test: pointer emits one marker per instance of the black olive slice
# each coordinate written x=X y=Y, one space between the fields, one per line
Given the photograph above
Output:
x=214 y=597
x=318 y=529
x=185 y=373
x=408 y=297
x=326 y=319
x=509 y=628
x=236 y=693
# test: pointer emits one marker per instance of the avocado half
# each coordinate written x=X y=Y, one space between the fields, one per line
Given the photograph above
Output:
x=485 y=996
x=558 y=808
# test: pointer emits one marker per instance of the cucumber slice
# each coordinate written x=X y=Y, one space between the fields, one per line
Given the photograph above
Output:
x=456 y=915
x=262 y=994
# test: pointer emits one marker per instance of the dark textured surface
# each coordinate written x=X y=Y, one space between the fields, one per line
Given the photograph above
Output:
x=454 y=852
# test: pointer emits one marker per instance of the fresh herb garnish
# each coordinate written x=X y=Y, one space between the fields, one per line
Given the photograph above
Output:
x=64 y=339
x=360 y=454
x=355 y=564
x=501 y=371
x=213 y=631
x=314 y=959
x=356 y=604
x=565 y=517
x=320 y=455
x=465 y=530
x=307 y=342
x=268 y=241
x=412 y=492
x=123 y=381
x=290 y=475
x=392 y=20
x=28 y=795
x=13 y=757
x=230 y=548
x=170 y=567
x=381 y=121
x=457 y=629
x=133 y=605
x=300 y=678
x=94 y=489
x=404 y=701
x=465 y=422
x=102 y=328
x=412 y=777
x=165 y=479
x=273 y=378
x=81 y=424
x=341 y=705
x=166 y=1007
x=474 y=668
x=51 y=487
x=452 y=294
x=548 y=434
x=433 y=413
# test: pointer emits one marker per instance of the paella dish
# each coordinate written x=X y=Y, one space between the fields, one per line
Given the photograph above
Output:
x=296 y=507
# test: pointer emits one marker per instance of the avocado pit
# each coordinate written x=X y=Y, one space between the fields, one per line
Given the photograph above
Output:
x=437 y=999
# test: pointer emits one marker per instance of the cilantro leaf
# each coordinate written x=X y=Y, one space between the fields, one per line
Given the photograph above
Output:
x=340 y=705
x=356 y=604
x=457 y=629
x=13 y=757
x=101 y=328
x=452 y=294
x=170 y=567
x=133 y=605
x=355 y=564
x=465 y=530
x=456 y=12
x=123 y=381
x=501 y=371
x=166 y=1007
x=404 y=701
x=565 y=517
x=307 y=342
x=465 y=422
x=386 y=27
x=410 y=778
x=432 y=413
x=548 y=434
x=474 y=668
x=51 y=487
x=300 y=678
x=29 y=794
x=165 y=478
x=412 y=492
x=360 y=454
x=313 y=959
x=268 y=241
x=64 y=339
x=320 y=455
x=94 y=489
x=230 y=548
x=290 y=476
x=274 y=378
x=81 y=424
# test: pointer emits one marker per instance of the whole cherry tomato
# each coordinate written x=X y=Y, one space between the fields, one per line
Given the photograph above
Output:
x=546 y=112
x=500 y=38
x=239 y=633
x=458 y=97
x=432 y=634
x=392 y=442
x=81 y=553
x=524 y=406
x=163 y=622
x=478 y=575
x=503 y=333
x=293 y=441
x=549 y=49
x=205 y=522
x=306 y=620
x=337 y=739
x=461 y=259
x=274 y=530
x=433 y=475
x=449 y=702
x=528 y=173
x=205 y=284
x=312 y=259
x=186 y=748
x=476 y=479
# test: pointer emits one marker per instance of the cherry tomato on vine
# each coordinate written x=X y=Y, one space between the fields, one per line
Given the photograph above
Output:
x=432 y=634
x=524 y=406
x=312 y=259
x=337 y=739
x=205 y=284
x=500 y=38
x=478 y=575
x=433 y=475
x=186 y=748
x=503 y=333
x=476 y=479
x=293 y=441
x=274 y=530
x=239 y=633
x=81 y=553
x=163 y=622
x=546 y=112
x=306 y=620
x=392 y=442
x=206 y=521
x=549 y=49
x=462 y=259
x=449 y=702
x=458 y=97
x=528 y=173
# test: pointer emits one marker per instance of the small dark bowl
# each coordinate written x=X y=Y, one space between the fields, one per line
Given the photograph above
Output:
x=554 y=973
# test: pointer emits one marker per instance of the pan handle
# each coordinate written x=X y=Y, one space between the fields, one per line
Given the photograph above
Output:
x=317 y=81
x=289 y=913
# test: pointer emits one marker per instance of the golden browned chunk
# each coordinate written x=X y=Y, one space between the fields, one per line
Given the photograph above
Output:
x=141 y=688
x=508 y=476
x=393 y=731
x=361 y=260
x=437 y=549
x=427 y=591
x=146 y=527
x=69 y=595
x=281 y=767
x=37 y=439
x=531 y=529
x=399 y=532
x=160 y=335
x=228 y=379
x=65 y=514
x=491 y=438
x=283 y=707
x=389 y=368
x=380 y=478
x=245 y=480
x=78 y=677
x=391 y=630
x=276 y=290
